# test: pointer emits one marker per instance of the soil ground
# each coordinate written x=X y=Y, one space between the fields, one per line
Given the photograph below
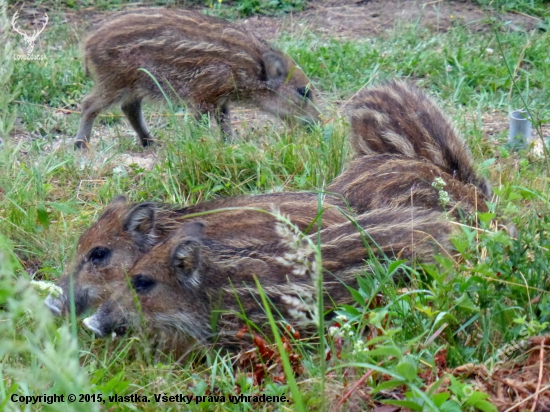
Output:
x=355 y=19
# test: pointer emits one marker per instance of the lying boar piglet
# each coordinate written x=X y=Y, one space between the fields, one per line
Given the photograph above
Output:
x=188 y=280
x=109 y=248
x=400 y=119
x=371 y=182
x=204 y=60
x=408 y=153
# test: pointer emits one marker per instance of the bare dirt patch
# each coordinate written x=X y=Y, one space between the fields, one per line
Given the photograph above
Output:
x=355 y=19
x=247 y=124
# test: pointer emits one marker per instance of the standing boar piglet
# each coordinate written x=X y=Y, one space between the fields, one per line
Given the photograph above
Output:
x=125 y=231
x=204 y=60
x=190 y=289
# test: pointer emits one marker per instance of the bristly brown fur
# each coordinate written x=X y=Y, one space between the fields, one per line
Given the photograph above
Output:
x=125 y=231
x=188 y=278
x=372 y=182
x=204 y=60
x=398 y=118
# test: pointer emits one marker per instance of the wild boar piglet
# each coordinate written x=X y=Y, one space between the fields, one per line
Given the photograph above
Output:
x=398 y=118
x=192 y=289
x=125 y=231
x=408 y=153
x=378 y=181
x=182 y=54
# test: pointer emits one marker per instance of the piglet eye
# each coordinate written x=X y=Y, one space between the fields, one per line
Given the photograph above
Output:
x=99 y=255
x=304 y=92
x=142 y=283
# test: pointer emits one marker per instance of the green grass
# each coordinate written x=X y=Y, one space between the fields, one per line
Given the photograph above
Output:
x=493 y=290
x=7 y=113
x=228 y=8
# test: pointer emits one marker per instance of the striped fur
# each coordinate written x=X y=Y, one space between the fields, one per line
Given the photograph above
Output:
x=126 y=231
x=174 y=305
x=204 y=60
x=371 y=182
x=398 y=118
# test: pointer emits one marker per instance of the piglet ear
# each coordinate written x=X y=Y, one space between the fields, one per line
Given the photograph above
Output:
x=140 y=224
x=185 y=262
x=118 y=200
x=185 y=258
x=275 y=68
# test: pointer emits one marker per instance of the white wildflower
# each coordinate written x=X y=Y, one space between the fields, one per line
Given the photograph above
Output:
x=49 y=287
x=359 y=347
x=333 y=330
x=439 y=183
x=444 y=197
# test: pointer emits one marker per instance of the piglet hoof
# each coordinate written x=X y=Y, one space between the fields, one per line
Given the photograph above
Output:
x=81 y=145
x=147 y=142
